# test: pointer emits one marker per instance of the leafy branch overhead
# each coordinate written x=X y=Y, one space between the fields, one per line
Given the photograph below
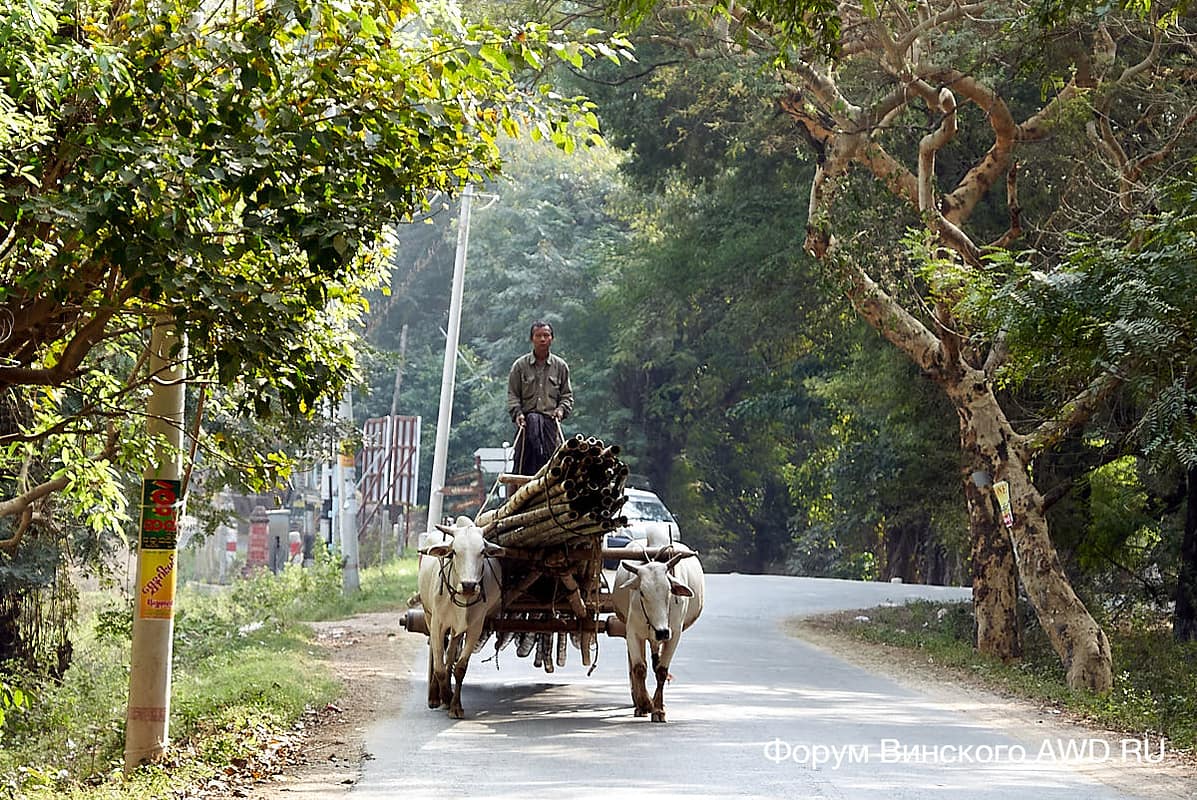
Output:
x=235 y=168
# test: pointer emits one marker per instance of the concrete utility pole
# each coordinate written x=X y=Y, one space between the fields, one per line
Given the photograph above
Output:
x=449 y=372
x=347 y=504
x=328 y=491
x=392 y=469
x=148 y=714
x=399 y=371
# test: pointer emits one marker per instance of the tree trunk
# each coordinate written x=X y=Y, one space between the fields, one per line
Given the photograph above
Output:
x=900 y=542
x=1076 y=637
x=995 y=589
x=1184 y=620
x=934 y=563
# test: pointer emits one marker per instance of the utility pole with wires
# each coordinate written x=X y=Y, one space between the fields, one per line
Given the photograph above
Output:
x=440 y=454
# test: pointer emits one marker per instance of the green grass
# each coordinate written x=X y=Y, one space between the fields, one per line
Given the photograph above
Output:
x=1155 y=678
x=245 y=669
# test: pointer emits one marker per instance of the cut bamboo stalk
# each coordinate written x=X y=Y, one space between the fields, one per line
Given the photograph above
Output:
x=535 y=515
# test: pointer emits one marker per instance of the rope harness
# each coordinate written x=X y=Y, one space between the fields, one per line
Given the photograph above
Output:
x=454 y=595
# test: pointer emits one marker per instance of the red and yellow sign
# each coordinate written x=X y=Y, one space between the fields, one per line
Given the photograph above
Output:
x=159 y=537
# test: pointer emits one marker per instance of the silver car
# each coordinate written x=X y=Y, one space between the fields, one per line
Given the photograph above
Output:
x=649 y=522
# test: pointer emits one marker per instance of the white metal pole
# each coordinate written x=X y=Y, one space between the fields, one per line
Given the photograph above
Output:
x=448 y=373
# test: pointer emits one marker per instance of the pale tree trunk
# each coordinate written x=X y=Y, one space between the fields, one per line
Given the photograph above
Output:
x=990 y=439
x=1076 y=637
x=995 y=585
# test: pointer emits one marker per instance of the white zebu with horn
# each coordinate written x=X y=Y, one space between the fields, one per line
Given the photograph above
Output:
x=657 y=601
x=460 y=586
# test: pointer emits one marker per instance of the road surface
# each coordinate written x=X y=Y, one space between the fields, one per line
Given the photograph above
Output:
x=754 y=713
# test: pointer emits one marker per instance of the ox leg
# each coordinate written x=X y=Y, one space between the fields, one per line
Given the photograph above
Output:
x=434 y=690
x=661 y=661
x=637 y=672
x=461 y=663
x=438 y=674
x=449 y=693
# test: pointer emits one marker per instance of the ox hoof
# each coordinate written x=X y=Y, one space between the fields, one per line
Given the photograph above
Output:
x=434 y=704
x=658 y=716
x=643 y=712
x=456 y=713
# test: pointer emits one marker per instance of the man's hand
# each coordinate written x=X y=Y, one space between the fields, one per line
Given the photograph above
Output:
x=558 y=414
x=519 y=420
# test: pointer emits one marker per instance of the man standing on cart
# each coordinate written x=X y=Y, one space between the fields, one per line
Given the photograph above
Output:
x=538 y=398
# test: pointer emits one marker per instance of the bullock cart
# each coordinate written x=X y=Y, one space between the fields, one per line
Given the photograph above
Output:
x=551 y=528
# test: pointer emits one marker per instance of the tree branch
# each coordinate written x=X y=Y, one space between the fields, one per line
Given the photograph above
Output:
x=930 y=22
x=1015 y=210
x=891 y=320
x=930 y=144
x=11 y=544
x=24 y=501
x=1072 y=413
x=959 y=204
x=1136 y=168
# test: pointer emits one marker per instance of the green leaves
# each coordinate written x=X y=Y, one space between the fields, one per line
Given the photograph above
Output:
x=1117 y=303
x=12 y=699
x=236 y=168
x=810 y=24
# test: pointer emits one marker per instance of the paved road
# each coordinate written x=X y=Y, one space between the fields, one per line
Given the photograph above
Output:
x=753 y=713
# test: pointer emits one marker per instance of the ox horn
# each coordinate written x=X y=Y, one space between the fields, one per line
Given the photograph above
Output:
x=673 y=561
x=445 y=529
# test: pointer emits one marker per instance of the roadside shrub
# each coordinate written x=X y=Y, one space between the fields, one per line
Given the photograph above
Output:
x=12 y=699
x=72 y=728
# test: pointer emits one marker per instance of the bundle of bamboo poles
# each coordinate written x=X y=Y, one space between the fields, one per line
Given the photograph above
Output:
x=576 y=495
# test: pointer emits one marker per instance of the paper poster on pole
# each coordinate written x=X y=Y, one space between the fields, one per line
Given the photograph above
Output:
x=159 y=514
x=159 y=536
x=157 y=581
x=1001 y=490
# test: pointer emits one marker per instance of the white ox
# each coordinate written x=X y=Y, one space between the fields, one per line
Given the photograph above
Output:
x=657 y=601
x=460 y=586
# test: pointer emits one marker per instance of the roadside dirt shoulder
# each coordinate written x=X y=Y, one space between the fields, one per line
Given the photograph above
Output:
x=1174 y=778
x=370 y=655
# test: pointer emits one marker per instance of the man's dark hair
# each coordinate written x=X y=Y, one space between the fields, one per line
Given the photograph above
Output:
x=540 y=324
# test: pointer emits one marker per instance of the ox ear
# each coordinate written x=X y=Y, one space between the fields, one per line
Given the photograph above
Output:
x=446 y=529
x=678 y=588
x=492 y=549
x=437 y=550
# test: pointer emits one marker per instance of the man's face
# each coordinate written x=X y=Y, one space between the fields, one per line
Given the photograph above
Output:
x=542 y=339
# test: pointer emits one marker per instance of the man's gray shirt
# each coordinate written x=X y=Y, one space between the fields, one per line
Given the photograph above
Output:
x=539 y=387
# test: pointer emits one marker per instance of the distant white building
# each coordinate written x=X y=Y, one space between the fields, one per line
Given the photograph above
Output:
x=493 y=460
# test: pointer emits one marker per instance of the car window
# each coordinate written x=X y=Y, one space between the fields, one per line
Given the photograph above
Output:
x=647 y=511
